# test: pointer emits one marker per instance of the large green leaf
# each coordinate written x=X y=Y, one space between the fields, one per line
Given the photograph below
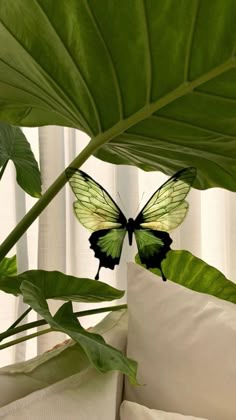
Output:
x=153 y=82
x=57 y=285
x=14 y=146
x=184 y=268
x=8 y=266
x=100 y=354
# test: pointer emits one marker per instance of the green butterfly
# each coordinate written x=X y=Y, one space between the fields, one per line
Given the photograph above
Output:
x=98 y=212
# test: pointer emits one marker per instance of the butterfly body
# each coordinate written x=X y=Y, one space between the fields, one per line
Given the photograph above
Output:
x=98 y=212
x=130 y=229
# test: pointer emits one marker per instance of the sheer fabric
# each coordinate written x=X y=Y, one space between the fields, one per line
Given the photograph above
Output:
x=56 y=241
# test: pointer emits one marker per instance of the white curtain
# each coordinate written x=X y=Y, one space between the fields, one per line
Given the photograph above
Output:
x=58 y=242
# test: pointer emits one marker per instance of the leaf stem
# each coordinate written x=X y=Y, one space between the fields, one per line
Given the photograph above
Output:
x=51 y=192
x=18 y=320
x=26 y=337
x=41 y=322
x=3 y=168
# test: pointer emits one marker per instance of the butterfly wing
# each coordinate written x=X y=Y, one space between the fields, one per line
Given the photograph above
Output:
x=164 y=211
x=152 y=246
x=97 y=211
x=94 y=208
x=107 y=245
x=167 y=208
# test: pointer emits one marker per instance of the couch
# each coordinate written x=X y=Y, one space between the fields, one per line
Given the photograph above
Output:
x=184 y=342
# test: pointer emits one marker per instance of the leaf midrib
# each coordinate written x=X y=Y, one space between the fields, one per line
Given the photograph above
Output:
x=150 y=108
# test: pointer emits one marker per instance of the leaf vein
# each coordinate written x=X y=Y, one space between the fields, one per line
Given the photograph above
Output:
x=112 y=63
x=149 y=55
x=53 y=81
x=190 y=41
x=214 y=96
x=167 y=142
x=84 y=82
x=189 y=124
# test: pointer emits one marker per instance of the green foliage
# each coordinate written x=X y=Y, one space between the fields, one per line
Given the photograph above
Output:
x=8 y=266
x=153 y=84
x=100 y=354
x=14 y=146
x=159 y=93
x=57 y=285
x=184 y=268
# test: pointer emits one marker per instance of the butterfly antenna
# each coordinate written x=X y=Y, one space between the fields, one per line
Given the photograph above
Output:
x=121 y=200
x=139 y=203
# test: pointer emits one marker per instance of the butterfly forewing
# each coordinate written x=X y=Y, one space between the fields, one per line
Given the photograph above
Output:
x=167 y=207
x=94 y=207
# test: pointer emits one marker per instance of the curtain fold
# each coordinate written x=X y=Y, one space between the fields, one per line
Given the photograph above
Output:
x=56 y=241
x=52 y=221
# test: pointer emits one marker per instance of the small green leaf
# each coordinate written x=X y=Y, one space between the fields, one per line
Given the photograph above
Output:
x=104 y=357
x=14 y=146
x=184 y=268
x=8 y=266
x=57 y=285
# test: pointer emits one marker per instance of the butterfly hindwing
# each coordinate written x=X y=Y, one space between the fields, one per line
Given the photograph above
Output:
x=94 y=208
x=107 y=245
x=153 y=246
x=167 y=208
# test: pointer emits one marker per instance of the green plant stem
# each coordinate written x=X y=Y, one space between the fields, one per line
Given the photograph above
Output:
x=41 y=322
x=26 y=337
x=51 y=192
x=12 y=327
x=20 y=319
x=17 y=321
x=3 y=168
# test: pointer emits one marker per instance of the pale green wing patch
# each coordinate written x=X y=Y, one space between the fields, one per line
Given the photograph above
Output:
x=111 y=244
x=93 y=218
x=169 y=221
x=167 y=207
x=148 y=244
x=94 y=208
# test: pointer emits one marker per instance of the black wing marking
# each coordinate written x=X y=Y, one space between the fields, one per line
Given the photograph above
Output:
x=153 y=246
x=107 y=245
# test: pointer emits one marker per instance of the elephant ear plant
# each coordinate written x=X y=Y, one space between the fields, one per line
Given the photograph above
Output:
x=153 y=84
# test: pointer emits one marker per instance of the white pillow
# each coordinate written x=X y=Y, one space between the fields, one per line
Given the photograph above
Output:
x=133 y=411
x=89 y=395
x=185 y=345
x=20 y=379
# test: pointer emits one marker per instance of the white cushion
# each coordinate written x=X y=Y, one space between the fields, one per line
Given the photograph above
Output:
x=133 y=411
x=89 y=395
x=19 y=380
x=185 y=345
